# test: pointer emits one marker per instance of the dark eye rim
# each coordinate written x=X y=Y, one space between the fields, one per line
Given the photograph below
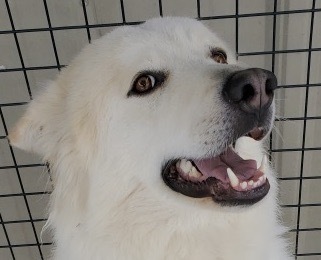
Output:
x=215 y=51
x=159 y=76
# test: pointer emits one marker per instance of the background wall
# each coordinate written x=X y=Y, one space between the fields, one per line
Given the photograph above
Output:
x=287 y=41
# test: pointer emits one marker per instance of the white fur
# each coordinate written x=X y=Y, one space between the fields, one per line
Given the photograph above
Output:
x=106 y=151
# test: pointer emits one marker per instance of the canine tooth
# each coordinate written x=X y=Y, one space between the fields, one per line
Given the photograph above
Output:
x=233 y=179
x=264 y=161
x=244 y=185
x=250 y=182
x=185 y=165
x=182 y=161
x=188 y=165
x=195 y=173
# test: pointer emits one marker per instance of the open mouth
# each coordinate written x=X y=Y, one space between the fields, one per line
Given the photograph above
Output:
x=227 y=178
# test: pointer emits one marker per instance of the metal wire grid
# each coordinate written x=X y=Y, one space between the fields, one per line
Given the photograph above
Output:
x=88 y=26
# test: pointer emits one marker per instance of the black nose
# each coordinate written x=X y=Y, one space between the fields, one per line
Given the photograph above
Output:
x=251 y=89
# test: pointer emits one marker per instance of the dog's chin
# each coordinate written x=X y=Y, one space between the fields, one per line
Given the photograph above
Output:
x=226 y=178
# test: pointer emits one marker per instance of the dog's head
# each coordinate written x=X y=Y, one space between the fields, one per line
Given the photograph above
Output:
x=165 y=102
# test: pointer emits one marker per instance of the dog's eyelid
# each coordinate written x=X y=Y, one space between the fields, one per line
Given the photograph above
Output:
x=219 y=50
x=219 y=55
x=156 y=79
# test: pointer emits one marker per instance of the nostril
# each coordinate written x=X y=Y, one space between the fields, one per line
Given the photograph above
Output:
x=248 y=92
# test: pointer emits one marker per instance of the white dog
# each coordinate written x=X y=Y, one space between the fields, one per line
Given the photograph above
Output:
x=154 y=134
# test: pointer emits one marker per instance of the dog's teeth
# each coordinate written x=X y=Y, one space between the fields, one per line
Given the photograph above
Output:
x=233 y=179
x=194 y=173
x=244 y=185
x=250 y=182
x=188 y=165
x=185 y=166
x=261 y=179
x=255 y=184
x=183 y=162
x=264 y=162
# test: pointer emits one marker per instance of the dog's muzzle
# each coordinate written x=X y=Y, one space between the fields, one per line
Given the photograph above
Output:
x=227 y=177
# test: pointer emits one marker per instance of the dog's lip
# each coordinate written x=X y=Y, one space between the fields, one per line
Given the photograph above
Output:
x=215 y=189
x=214 y=177
x=257 y=133
x=219 y=191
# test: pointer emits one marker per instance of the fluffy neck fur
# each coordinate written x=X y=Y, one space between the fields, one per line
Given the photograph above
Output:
x=128 y=220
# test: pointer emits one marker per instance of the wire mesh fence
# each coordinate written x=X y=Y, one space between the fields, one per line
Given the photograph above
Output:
x=23 y=197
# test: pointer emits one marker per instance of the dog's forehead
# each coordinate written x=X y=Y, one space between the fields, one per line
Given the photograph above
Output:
x=177 y=29
x=168 y=40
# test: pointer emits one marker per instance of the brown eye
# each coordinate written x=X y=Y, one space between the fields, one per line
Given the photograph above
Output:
x=219 y=56
x=146 y=82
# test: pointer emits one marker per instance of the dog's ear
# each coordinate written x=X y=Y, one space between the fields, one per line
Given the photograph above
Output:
x=36 y=131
